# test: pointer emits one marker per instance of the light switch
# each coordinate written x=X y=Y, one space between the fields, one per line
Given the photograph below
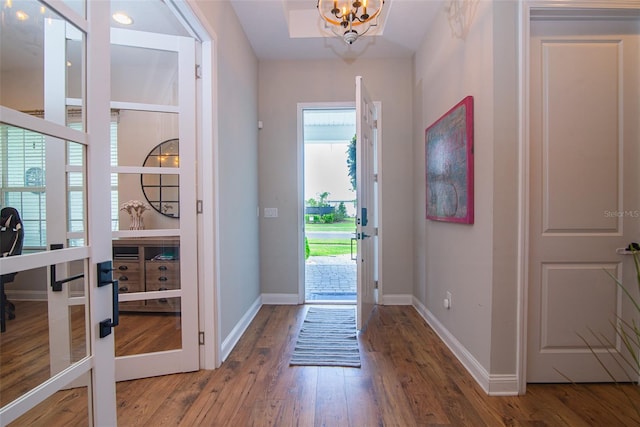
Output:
x=270 y=212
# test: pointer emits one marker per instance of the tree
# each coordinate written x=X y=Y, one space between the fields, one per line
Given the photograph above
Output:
x=351 y=162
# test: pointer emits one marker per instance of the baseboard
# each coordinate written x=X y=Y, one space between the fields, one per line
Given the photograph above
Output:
x=493 y=385
x=232 y=339
x=26 y=295
x=396 y=299
x=280 y=299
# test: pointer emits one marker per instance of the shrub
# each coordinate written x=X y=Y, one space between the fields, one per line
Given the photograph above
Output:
x=307 y=251
x=327 y=218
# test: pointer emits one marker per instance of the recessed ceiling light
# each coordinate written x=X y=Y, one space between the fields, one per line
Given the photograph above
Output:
x=122 y=18
x=21 y=15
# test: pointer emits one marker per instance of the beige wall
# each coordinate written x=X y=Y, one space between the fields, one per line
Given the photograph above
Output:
x=237 y=99
x=476 y=263
x=284 y=84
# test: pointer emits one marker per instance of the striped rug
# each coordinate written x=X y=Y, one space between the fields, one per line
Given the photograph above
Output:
x=328 y=338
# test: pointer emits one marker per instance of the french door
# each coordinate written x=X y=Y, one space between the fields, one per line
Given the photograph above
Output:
x=153 y=91
x=53 y=171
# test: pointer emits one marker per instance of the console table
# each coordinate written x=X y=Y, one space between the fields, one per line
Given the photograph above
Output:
x=147 y=264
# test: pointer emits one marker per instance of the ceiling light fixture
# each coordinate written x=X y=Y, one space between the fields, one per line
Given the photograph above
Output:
x=21 y=15
x=350 y=19
x=122 y=18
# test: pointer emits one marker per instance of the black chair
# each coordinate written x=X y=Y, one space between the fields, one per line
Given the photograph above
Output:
x=11 y=239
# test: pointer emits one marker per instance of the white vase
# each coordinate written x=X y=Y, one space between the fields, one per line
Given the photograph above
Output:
x=136 y=222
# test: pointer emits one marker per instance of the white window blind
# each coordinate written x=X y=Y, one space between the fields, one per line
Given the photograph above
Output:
x=22 y=181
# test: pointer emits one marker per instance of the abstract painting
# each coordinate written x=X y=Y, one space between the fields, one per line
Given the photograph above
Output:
x=449 y=165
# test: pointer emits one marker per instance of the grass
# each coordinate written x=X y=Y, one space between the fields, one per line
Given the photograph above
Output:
x=348 y=224
x=330 y=247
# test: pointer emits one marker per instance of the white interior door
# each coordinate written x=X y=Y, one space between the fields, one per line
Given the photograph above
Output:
x=366 y=231
x=51 y=354
x=584 y=195
x=153 y=88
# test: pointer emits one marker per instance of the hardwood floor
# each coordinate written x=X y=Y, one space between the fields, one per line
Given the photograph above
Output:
x=408 y=378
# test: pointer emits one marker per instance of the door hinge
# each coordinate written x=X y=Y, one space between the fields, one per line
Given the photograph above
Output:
x=198 y=72
x=375 y=177
x=375 y=284
x=375 y=124
x=199 y=208
x=200 y=338
x=375 y=231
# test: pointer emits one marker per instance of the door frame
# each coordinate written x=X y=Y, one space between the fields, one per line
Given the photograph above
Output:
x=300 y=187
x=528 y=10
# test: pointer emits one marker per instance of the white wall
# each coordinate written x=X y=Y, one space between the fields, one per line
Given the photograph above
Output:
x=388 y=81
x=237 y=99
x=476 y=263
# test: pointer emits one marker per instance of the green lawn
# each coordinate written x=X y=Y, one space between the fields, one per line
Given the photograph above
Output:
x=348 y=224
x=330 y=247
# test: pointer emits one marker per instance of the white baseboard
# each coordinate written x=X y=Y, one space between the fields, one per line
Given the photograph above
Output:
x=396 y=299
x=25 y=295
x=280 y=299
x=232 y=339
x=493 y=385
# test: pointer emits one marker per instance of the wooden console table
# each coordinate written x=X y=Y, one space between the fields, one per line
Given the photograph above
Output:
x=147 y=264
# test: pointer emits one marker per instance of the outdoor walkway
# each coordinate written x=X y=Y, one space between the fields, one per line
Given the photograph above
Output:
x=330 y=278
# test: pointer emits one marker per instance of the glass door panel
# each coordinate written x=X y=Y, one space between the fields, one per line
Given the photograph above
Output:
x=28 y=29
x=67 y=407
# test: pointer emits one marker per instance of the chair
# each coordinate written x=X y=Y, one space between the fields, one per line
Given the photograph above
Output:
x=11 y=239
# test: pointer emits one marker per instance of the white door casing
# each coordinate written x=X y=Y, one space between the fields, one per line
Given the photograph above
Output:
x=366 y=118
x=583 y=200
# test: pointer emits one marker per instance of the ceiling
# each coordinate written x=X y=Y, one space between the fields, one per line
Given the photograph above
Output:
x=267 y=24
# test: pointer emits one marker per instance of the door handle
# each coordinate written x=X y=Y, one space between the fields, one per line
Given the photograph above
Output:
x=56 y=285
x=105 y=278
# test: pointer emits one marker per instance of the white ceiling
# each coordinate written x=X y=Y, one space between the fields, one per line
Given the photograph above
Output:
x=266 y=24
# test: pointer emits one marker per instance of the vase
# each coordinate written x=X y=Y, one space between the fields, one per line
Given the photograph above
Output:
x=136 y=222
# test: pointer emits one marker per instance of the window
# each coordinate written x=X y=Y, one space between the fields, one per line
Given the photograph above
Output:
x=23 y=186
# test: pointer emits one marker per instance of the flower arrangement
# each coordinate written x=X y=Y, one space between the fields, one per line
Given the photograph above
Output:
x=135 y=209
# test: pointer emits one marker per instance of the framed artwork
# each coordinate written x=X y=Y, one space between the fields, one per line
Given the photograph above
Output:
x=449 y=165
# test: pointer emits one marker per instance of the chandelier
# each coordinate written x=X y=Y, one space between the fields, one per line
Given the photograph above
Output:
x=350 y=19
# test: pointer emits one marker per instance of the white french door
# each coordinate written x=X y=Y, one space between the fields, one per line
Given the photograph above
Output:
x=54 y=173
x=153 y=88
x=584 y=198
x=366 y=221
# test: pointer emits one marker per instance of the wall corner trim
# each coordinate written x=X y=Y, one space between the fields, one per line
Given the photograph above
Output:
x=493 y=385
x=234 y=336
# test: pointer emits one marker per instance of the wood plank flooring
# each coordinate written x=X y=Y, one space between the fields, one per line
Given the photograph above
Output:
x=408 y=378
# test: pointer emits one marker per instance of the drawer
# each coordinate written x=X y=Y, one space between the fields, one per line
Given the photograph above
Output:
x=162 y=274
x=127 y=287
x=164 y=304
x=127 y=272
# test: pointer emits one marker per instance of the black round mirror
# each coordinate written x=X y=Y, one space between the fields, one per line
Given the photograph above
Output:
x=162 y=191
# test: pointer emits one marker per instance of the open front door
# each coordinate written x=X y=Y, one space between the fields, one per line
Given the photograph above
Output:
x=366 y=231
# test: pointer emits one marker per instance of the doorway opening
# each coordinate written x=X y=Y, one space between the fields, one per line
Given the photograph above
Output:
x=329 y=205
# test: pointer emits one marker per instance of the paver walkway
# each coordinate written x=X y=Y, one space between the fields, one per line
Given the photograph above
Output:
x=330 y=278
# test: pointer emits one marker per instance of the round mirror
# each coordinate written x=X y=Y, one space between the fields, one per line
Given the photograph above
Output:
x=162 y=191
